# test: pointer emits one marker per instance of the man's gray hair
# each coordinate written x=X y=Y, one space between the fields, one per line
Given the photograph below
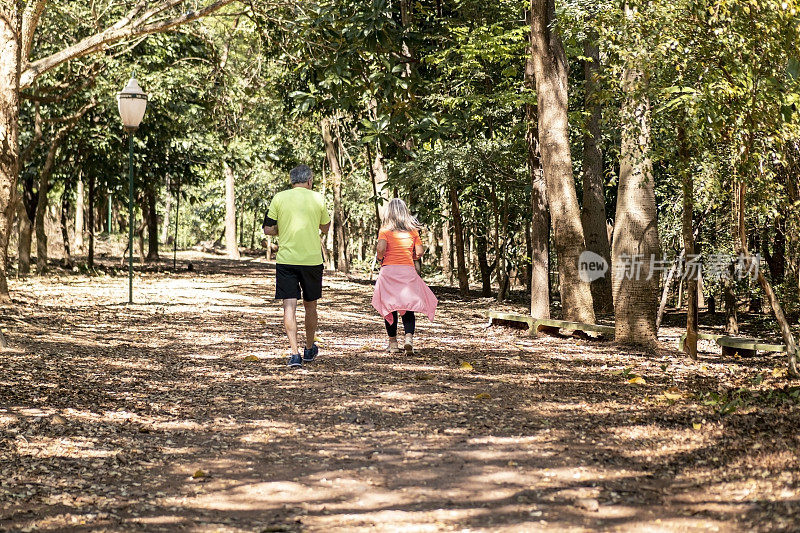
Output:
x=300 y=174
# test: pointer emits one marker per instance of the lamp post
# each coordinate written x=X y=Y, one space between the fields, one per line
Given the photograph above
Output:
x=132 y=102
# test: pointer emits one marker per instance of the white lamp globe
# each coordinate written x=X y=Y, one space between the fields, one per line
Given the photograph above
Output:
x=132 y=102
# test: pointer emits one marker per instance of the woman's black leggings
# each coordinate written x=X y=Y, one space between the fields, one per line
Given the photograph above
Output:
x=409 y=323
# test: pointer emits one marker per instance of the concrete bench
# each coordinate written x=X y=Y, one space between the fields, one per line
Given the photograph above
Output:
x=553 y=327
x=736 y=345
x=742 y=346
x=549 y=325
x=510 y=317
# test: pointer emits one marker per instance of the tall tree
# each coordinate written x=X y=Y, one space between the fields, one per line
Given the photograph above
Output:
x=593 y=214
x=339 y=239
x=550 y=70
x=635 y=241
x=458 y=230
x=230 y=212
x=18 y=71
x=540 y=220
x=687 y=230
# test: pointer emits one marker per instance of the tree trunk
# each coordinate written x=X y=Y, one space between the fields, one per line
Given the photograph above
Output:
x=502 y=275
x=666 y=290
x=360 y=241
x=374 y=178
x=550 y=72
x=766 y=286
x=635 y=229
x=482 y=245
x=24 y=238
x=78 y=244
x=65 y=205
x=528 y=255
x=729 y=299
x=253 y=231
x=27 y=212
x=728 y=285
x=339 y=243
x=152 y=224
x=690 y=346
x=447 y=263
x=9 y=134
x=165 y=223
x=381 y=179
x=776 y=258
x=463 y=277
x=41 y=206
x=593 y=215
x=540 y=217
x=701 y=301
x=231 y=247
x=90 y=257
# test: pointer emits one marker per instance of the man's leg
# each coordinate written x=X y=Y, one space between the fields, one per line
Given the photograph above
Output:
x=311 y=322
x=290 y=322
x=311 y=282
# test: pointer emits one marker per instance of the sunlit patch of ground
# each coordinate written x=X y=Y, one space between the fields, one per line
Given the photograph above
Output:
x=149 y=417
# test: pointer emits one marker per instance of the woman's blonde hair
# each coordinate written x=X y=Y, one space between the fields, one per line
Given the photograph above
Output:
x=397 y=217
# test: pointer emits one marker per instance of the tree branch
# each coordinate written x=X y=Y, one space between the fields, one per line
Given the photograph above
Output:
x=124 y=29
x=88 y=80
x=30 y=20
x=150 y=13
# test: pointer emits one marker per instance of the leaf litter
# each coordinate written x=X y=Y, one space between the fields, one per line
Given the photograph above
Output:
x=113 y=418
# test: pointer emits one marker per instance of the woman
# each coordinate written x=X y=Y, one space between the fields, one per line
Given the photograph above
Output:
x=399 y=289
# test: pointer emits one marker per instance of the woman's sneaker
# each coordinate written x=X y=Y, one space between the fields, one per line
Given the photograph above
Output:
x=309 y=354
x=295 y=361
x=393 y=347
x=409 y=344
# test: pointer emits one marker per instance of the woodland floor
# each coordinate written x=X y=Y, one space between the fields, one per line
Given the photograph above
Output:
x=108 y=411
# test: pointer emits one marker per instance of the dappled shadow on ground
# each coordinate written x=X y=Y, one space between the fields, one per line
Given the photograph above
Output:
x=151 y=417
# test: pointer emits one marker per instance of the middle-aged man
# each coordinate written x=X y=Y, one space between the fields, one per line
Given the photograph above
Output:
x=297 y=216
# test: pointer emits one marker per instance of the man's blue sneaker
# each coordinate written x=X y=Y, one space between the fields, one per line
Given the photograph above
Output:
x=295 y=361
x=309 y=354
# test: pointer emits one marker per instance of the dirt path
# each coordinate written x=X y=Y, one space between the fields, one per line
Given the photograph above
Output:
x=107 y=412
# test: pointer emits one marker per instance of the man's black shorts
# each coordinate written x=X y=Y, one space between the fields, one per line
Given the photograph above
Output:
x=289 y=279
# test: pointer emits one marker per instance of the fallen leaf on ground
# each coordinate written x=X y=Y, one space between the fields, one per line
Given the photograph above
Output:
x=199 y=474
x=673 y=393
x=483 y=396
x=251 y=358
x=638 y=380
x=466 y=366
x=779 y=372
x=697 y=425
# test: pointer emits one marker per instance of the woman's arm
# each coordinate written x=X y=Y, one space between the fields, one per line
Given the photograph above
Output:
x=380 y=249
x=418 y=251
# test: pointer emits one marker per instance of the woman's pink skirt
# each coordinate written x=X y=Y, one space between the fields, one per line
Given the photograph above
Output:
x=399 y=288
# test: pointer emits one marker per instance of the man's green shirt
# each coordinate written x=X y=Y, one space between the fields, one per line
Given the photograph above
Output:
x=299 y=212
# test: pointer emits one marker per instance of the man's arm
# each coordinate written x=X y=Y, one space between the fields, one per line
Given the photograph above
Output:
x=270 y=226
x=325 y=219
